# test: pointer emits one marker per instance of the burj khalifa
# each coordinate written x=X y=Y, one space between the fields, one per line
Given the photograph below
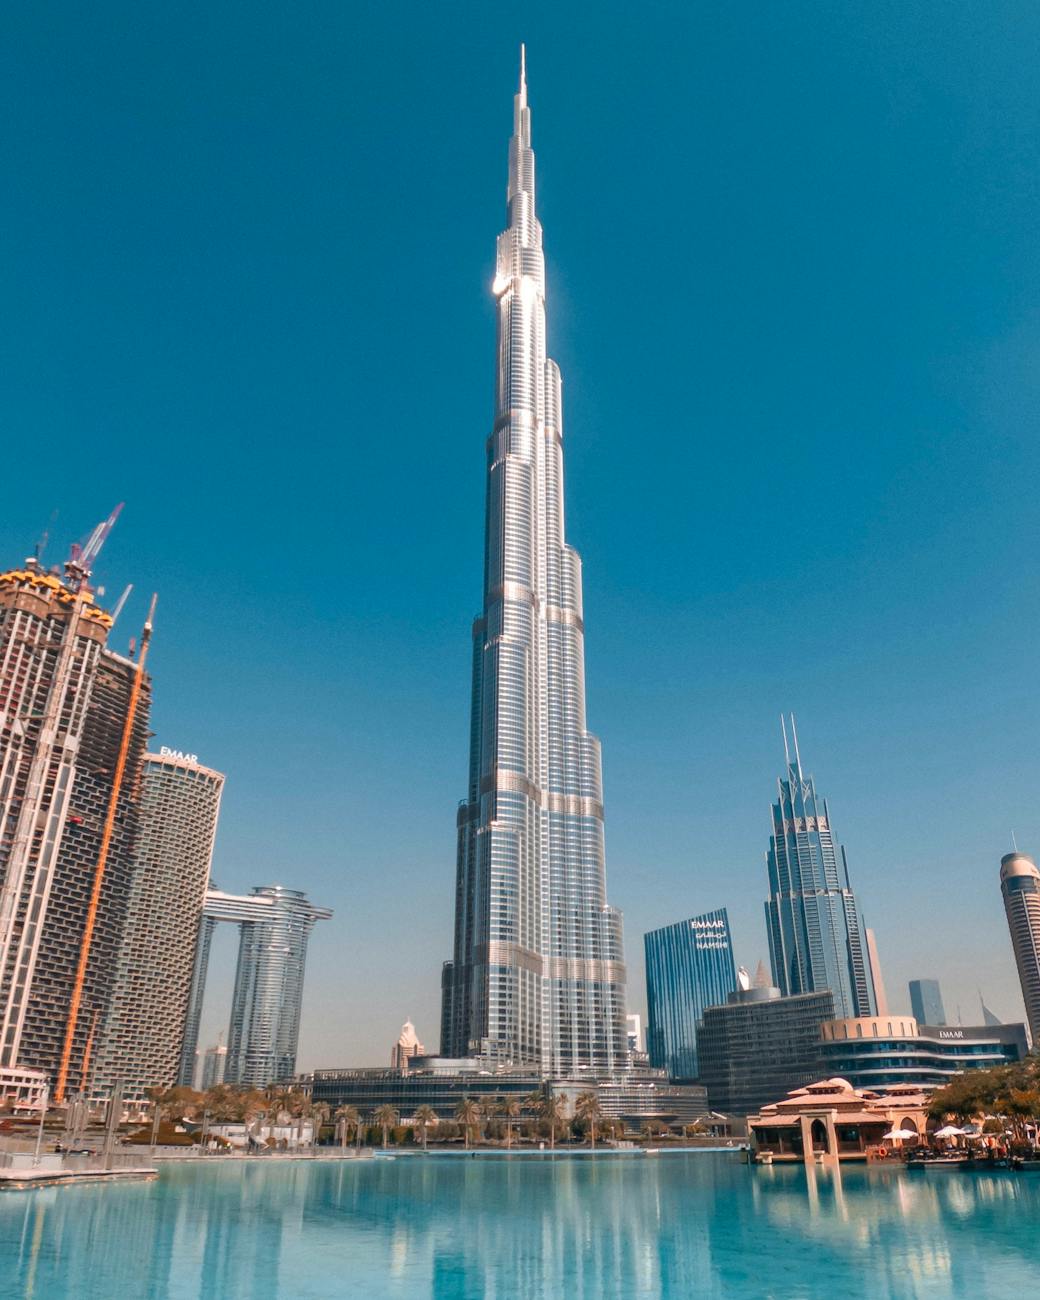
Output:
x=538 y=976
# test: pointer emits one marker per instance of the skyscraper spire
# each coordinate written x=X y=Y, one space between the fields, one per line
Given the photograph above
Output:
x=537 y=975
x=797 y=755
x=816 y=936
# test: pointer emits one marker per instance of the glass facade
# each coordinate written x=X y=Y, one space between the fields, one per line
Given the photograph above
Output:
x=140 y=1043
x=274 y=929
x=689 y=966
x=760 y=1046
x=816 y=938
x=1020 y=887
x=926 y=1004
x=537 y=976
x=634 y=1097
x=880 y=1051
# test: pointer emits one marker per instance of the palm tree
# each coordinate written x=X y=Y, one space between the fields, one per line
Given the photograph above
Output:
x=386 y=1117
x=554 y=1109
x=319 y=1116
x=511 y=1111
x=347 y=1117
x=534 y=1101
x=467 y=1112
x=424 y=1117
x=587 y=1108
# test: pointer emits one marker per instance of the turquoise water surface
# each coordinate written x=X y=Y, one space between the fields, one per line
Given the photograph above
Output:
x=494 y=1229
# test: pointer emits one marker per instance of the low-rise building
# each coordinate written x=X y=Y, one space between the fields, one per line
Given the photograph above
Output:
x=834 y=1119
x=636 y=1097
x=881 y=1051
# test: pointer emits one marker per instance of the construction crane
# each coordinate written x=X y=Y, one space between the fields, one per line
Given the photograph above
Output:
x=81 y=559
x=77 y=568
x=102 y=858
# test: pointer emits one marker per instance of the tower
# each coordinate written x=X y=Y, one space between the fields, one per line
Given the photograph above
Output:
x=537 y=976
x=61 y=937
x=816 y=937
x=141 y=1040
x=64 y=708
x=689 y=966
x=926 y=1004
x=1020 y=886
x=275 y=924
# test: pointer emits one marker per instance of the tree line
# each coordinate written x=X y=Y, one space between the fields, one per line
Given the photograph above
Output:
x=1006 y=1097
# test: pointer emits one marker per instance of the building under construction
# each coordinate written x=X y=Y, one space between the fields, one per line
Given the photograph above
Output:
x=61 y=940
x=73 y=724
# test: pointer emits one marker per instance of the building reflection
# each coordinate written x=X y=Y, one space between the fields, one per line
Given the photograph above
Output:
x=487 y=1229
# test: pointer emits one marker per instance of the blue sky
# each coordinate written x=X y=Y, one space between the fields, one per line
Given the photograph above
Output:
x=246 y=253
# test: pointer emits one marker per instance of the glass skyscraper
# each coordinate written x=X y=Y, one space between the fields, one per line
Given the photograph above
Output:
x=140 y=1043
x=275 y=926
x=926 y=1004
x=689 y=966
x=1020 y=887
x=816 y=936
x=537 y=976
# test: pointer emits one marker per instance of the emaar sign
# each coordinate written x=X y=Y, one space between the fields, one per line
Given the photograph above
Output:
x=165 y=752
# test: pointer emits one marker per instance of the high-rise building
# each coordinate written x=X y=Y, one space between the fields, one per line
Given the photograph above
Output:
x=406 y=1047
x=926 y=1004
x=275 y=924
x=63 y=712
x=758 y=1046
x=537 y=976
x=689 y=966
x=815 y=935
x=880 y=996
x=141 y=1040
x=1020 y=886
x=213 y=1064
x=61 y=937
x=634 y=1025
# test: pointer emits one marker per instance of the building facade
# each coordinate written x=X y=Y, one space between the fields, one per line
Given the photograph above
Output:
x=926 y=1004
x=64 y=703
x=689 y=966
x=636 y=1097
x=884 y=1051
x=833 y=1119
x=61 y=937
x=406 y=1048
x=142 y=1039
x=275 y=924
x=537 y=976
x=214 y=1061
x=880 y=996
x=759 y=1045
x=816 y=938
x=1020 y=887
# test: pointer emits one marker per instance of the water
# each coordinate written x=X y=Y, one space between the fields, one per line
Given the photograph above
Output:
x=618 y=1226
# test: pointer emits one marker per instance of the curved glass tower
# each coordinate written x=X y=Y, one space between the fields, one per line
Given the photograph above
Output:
x=538 y=975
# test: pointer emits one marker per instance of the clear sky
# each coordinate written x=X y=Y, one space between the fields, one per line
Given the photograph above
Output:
x=246 y=252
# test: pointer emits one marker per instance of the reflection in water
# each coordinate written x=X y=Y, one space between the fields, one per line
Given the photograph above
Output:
x=674 y=1226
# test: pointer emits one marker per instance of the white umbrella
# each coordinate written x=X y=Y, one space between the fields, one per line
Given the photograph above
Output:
x=950 y=1131
x=898 y=1134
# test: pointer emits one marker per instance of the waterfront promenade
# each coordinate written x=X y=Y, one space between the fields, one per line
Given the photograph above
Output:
x=699 y=1224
